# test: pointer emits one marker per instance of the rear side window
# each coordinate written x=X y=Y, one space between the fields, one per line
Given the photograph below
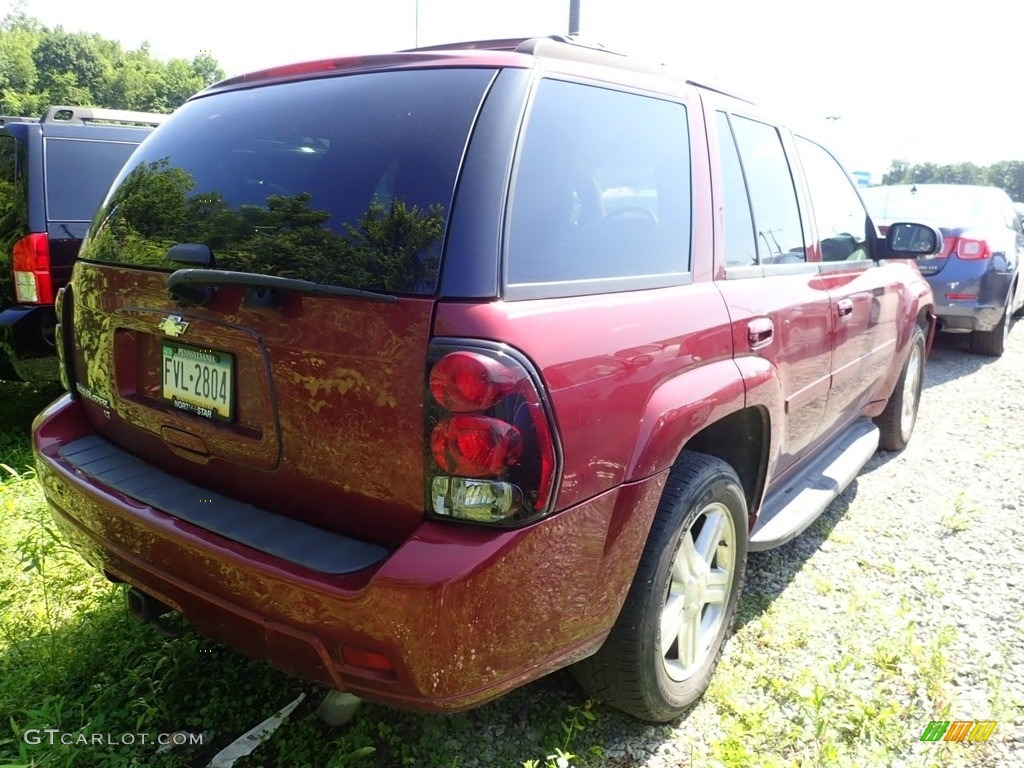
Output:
x=8 y=177
x=343 y=180
x=602 y=189
x=740 y=245
x=777 y=222
x=79 y=173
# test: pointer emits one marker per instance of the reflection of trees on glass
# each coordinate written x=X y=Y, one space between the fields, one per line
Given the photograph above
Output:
x=391 y=247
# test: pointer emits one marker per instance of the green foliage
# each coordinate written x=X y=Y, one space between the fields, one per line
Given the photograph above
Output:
x=1008 y=175
x=40 y=67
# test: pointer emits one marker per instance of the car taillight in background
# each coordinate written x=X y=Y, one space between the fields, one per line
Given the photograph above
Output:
x=970 y=249
x=492 y=455
x=33 y=283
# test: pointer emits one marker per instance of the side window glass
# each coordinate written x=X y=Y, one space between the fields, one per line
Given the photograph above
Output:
x=838 y=211
x=602 y=188
x=8 y=176
x=740 y=245
x=777 y=226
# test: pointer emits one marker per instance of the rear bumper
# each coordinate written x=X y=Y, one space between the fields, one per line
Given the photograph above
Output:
x=462 y=614
x=966 y=316
x=26 y=343
x=988 y=287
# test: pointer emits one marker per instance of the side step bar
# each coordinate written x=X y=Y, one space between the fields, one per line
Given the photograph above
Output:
x=789 y=509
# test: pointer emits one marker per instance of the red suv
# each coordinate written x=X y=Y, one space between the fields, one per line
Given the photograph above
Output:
x=422 y=375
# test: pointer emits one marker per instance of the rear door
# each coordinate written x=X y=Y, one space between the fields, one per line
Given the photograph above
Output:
x=302 y=397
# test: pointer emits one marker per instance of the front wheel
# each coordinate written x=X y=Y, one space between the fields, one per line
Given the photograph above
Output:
x=666 y=642
x=896 y=424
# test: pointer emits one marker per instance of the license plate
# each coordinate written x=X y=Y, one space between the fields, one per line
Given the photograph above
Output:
x=199 y=381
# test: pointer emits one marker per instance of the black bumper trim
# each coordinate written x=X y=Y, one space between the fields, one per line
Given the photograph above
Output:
x=291 y=540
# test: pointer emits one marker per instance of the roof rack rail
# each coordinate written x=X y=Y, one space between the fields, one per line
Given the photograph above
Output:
x=5 y=119
x=83 y=115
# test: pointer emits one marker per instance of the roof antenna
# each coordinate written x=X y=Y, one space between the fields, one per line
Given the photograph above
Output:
x=574 y=17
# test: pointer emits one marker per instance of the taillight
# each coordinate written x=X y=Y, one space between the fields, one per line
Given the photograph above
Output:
x=33 y=283
x=971 y=250
x=491 y=450
x=947 y=248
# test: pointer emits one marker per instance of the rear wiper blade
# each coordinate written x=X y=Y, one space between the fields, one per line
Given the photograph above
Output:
x=195 y=286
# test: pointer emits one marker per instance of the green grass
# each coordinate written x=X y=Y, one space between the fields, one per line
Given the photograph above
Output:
x=72 y=660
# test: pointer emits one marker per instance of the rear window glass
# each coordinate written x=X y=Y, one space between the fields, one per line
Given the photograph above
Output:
x=343 y=180
x=78 y=175
x=949 y=206
x=602 y=189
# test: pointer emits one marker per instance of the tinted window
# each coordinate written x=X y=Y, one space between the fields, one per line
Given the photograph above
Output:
x=602 y=188
x=78 y=175
x=777 y=224
x=343 y=180
x=8 y=176
x=740 y=245
x=838 y=212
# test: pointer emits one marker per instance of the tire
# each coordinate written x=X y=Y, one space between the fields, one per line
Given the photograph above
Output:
x=896 y=422
x=992 y=343
x=634 y=670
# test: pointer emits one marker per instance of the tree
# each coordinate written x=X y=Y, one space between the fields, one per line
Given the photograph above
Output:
x=40 y=67
x=68 y=62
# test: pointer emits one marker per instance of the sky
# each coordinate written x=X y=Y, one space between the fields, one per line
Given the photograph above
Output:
x=874 y=80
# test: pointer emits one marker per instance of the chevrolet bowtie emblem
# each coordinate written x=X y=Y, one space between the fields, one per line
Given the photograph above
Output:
x=173 y=326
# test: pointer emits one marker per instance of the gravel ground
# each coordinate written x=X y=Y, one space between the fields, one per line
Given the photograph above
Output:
x=900 y=605
x=936 y=534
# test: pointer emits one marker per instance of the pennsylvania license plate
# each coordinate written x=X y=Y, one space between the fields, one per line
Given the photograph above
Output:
x=199 y=381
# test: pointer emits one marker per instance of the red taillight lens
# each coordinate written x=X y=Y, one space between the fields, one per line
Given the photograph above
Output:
x=947 y=248
x=475 y=446
x=30 y=258
x=972 y=250
x=492 y=453
x=467 y=381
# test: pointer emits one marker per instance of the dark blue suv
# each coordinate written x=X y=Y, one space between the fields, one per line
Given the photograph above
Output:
x=54 y=173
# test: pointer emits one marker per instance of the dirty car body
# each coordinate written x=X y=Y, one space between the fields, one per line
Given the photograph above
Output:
x=389 y=395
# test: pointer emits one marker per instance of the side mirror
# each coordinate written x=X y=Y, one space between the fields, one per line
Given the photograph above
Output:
x=905 y=240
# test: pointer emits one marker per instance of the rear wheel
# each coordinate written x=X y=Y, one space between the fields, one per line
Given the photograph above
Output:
x=992 y=343
x=670 y=633
x=896 y=424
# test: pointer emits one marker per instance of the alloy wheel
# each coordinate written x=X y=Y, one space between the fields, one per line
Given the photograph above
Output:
x=699 y=586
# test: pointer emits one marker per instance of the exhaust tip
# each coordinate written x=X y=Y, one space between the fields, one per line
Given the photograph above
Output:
x=142 y=607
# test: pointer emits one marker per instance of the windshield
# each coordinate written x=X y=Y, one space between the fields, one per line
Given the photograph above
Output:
x=342 y=180
x=950 y=206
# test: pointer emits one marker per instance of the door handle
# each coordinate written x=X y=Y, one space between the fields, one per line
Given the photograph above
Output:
x=844 y=307
x=760 y=332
